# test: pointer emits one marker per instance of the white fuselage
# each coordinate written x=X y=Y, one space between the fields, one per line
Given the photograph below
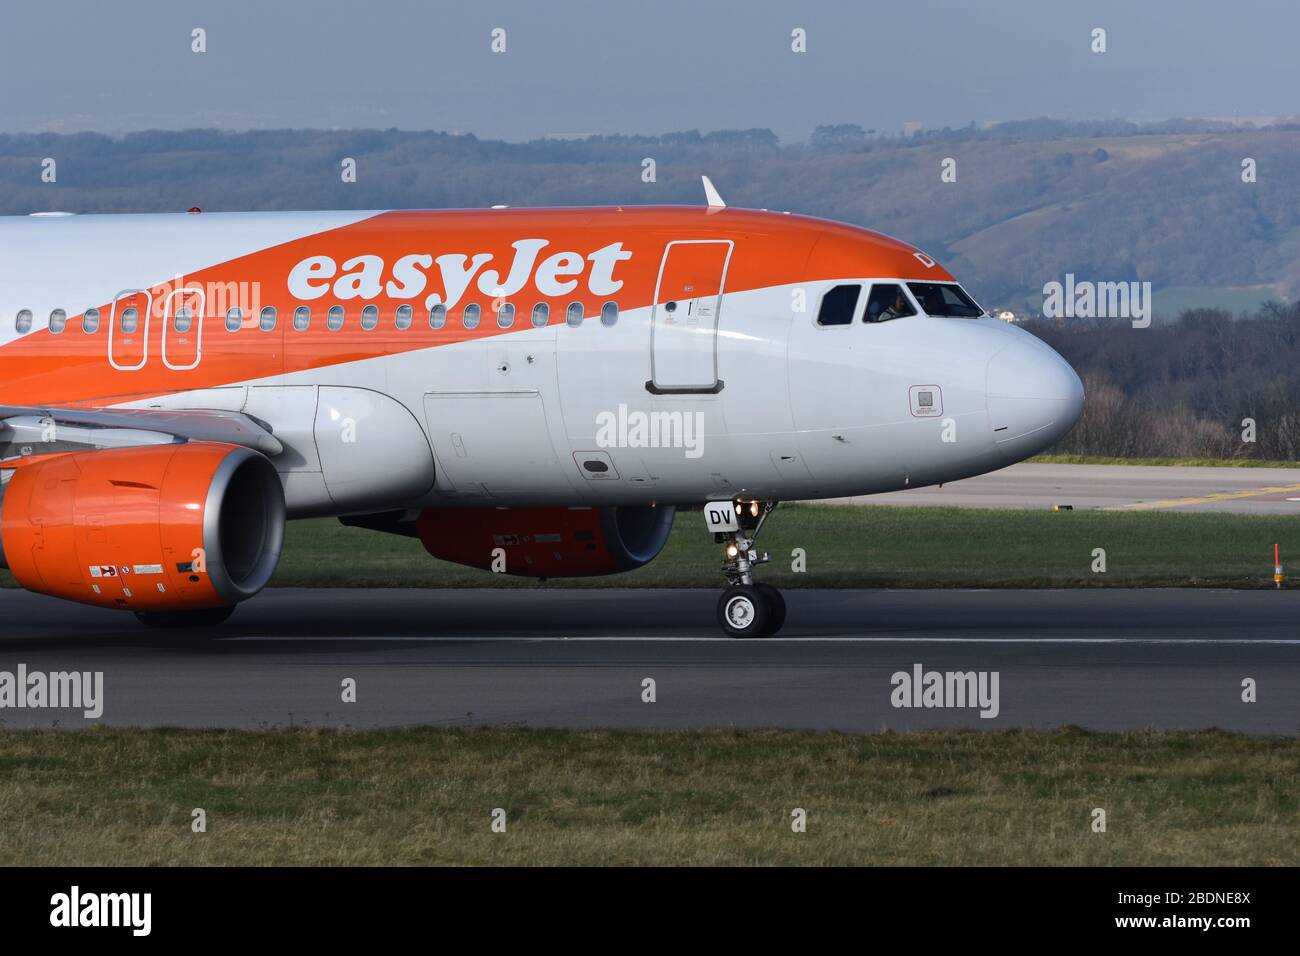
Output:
x=761 y=401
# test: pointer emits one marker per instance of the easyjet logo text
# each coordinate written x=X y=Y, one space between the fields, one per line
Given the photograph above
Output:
x=370 y=276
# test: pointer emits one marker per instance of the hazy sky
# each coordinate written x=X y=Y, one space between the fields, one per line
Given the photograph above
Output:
x=576 y=67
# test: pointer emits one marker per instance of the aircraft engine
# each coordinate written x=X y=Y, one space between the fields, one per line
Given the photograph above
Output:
x=547 y=542
x=153 y=529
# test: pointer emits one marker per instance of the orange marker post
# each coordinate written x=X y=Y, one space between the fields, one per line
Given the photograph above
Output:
x=1278 y=577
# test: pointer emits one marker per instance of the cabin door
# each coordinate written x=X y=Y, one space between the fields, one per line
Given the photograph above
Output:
x=684 y=323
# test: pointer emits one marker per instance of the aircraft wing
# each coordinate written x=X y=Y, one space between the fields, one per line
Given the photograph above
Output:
x=35 y=430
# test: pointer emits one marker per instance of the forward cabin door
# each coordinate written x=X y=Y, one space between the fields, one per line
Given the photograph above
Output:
x=684 y=323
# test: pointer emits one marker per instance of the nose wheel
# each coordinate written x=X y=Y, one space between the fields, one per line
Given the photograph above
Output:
x=751 y=610
x=745 y=607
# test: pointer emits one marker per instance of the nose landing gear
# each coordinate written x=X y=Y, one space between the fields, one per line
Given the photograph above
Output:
x=745 y=608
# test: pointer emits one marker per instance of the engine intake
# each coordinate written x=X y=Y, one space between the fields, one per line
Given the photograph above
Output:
x=155 y=528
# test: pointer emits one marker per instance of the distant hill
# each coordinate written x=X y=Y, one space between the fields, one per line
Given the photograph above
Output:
x=1106 y=201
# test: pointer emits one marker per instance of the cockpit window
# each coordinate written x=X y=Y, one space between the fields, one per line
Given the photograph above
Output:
x=945 y=300
x=887 y=301
x=838 y=305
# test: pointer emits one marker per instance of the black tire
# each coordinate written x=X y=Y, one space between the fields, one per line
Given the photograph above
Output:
x=776 y=605
x=743 y=611
x=207 y=617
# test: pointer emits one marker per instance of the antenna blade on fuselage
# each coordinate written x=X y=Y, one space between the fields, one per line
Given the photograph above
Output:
x=710 y=193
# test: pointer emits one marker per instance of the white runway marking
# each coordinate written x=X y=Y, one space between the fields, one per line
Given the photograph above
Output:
x=1235 y=642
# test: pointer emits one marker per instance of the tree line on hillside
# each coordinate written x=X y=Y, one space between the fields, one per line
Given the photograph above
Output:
x=1029 y=201
x=1195 y=387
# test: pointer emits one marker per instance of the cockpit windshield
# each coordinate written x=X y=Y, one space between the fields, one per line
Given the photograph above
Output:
x=945 y=300
x=887 y=301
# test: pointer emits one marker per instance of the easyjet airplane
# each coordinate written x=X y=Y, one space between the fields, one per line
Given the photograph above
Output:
x=533 y=391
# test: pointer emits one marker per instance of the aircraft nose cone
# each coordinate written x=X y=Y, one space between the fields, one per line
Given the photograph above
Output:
x=1034 y=398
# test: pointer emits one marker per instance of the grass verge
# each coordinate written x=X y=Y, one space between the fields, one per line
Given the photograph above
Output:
x=873 y=546
x=868 y=547
x=425 y=796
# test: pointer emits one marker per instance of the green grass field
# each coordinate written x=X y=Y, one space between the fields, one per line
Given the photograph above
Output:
x=869 y=546
x=426 y=796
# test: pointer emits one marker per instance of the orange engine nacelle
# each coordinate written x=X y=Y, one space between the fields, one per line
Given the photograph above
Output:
x=547 y=542
x=154 y=528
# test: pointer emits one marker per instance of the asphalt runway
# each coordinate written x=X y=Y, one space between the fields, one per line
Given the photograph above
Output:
x=1257 y=491
x=1101 y=658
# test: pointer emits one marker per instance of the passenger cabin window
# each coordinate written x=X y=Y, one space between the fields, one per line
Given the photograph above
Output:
x=471 y=315
x=506 y=315
x=266 y=321
x=334 y=318
x=887 y=301
x=402 y=318
x=945 y=300
x=301 y=318
x=541 y=314
x=838 y=305
x=437 y=317
x=182 y=320
x=574 y=314
x=58 y=321
x=370 y=318
x=130 y=320
x=23 y=323
x=234 y=319
x=90 y=321
x=609 y=314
